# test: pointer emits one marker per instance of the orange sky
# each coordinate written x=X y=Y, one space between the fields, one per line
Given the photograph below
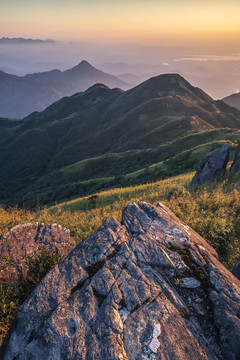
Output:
x=144 y=21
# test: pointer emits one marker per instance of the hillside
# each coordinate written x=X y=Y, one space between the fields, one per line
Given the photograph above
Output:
x=211 y=209
x=104 y=137
x=20 y=96
x=233 y=100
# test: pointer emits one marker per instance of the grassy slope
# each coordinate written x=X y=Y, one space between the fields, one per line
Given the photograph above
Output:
x=128 y=168
x=84 y=215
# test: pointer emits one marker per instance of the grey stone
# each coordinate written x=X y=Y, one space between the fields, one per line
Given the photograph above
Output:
x=115 y=296
x=190 y=283
x=212 y=167
x=236 y=162
x=28 y=240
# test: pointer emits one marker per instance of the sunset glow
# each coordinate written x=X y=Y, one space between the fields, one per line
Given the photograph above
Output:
x=122 y=21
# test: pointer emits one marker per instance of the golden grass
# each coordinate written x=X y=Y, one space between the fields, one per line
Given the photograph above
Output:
x=84 y=215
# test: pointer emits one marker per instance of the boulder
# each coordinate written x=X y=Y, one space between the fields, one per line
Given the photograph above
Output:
x=118 y=295
x=212 y=167
x=27 y=240
x=236 y=269
x=236 y=162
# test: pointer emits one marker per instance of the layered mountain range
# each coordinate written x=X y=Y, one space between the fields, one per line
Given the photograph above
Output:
x=102 y=137
x=20 y=96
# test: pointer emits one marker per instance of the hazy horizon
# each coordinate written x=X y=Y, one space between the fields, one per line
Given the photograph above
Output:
x=152 y=22
x=199 y=40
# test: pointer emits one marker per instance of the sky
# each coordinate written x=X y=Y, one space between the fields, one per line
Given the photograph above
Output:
x=199 y=39
x=123 y=21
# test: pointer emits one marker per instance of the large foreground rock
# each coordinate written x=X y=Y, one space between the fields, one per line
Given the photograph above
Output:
x=27 y=240
x=212 y=167
x=151 y=288
x=236 y=162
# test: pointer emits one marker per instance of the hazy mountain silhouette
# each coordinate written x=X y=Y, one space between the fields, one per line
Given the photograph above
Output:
x=6 y=40
x=20 y=96
x=233 y=100
x=102 y=133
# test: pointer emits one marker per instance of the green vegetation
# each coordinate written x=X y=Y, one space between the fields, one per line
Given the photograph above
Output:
x=126 y=169
x=103 y=138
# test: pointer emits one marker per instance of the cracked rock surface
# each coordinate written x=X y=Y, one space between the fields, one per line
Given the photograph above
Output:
x=27 y=240
x=118 y=295
x=212 y=166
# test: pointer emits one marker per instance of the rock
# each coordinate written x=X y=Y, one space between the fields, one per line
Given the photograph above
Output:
x=27 y=240
x=190 y=283
x=212 y=167
x=236 y=162
x=236 y=269
x=117 y=296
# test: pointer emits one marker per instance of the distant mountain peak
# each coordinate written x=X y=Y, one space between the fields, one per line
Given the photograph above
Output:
x=44 y=88
x=83 y=65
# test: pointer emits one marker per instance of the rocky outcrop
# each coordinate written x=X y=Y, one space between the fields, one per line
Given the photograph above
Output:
x=149 y=288
x=212 y=167
x=27 y=240
x=236 y=162
x=236 y=269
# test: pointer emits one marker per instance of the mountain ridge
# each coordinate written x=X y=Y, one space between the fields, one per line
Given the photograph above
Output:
x=100 y=134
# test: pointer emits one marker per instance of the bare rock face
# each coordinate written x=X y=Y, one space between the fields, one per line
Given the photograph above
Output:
x=236 y=269
x=236 y=162
x=27 y=240
x=212 y=166
x=150 y=288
